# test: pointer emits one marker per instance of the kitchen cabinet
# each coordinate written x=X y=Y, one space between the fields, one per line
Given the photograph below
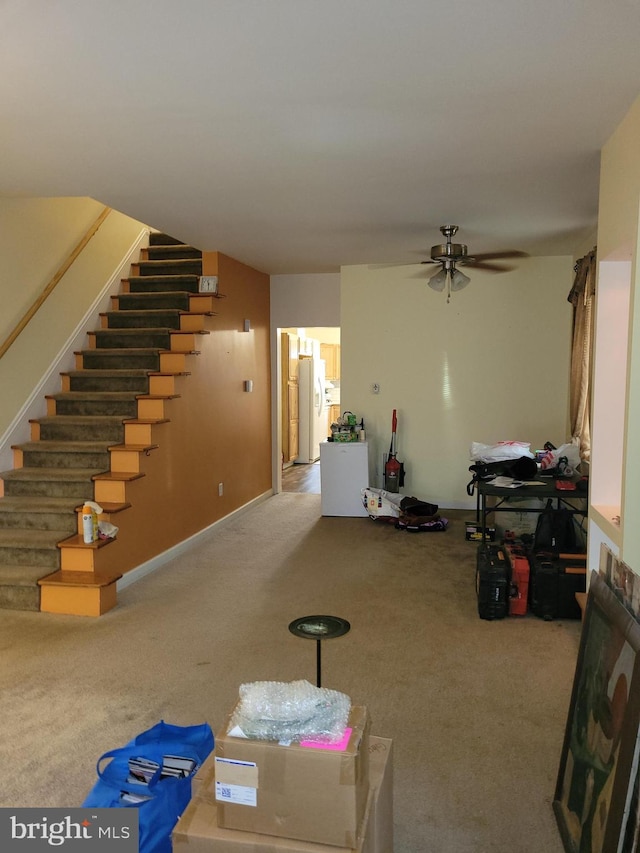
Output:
x=331 y=355
x=334 y=414
x=290 y=350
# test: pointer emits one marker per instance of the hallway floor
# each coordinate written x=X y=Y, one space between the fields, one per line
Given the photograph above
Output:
x=302 y=478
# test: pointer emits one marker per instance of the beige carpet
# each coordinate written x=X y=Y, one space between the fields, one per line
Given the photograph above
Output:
x=476 y=709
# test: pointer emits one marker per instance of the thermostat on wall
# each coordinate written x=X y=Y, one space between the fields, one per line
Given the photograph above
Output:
x=208 y=284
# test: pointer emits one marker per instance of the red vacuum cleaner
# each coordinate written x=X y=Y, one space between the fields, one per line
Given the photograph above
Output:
x=393 y=470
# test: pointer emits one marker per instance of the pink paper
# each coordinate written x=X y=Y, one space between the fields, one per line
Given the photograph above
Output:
x=338 y=746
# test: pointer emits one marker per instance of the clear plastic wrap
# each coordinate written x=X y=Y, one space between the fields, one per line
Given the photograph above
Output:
x=290 y=711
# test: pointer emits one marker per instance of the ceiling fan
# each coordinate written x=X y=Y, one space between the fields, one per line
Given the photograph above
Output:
x=450 y=256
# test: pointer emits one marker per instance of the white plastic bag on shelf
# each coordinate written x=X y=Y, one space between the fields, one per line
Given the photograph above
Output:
x=570 y=451
x=500 y=451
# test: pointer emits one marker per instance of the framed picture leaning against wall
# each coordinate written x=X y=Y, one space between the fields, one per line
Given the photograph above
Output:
x=596 y=797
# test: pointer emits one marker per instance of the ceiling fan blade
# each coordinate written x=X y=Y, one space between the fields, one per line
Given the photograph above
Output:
x=494 y=256
x=492 y=267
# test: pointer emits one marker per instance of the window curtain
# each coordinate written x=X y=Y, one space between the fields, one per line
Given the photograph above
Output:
x=582 y=297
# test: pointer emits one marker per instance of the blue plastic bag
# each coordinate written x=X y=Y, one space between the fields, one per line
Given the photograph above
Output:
x=168 y=797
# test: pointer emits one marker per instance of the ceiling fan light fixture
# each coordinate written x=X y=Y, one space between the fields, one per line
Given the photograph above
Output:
x=438 y=281
x=459 y=281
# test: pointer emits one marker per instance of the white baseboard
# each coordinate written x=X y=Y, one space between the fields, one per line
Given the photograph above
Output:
x=155 y=563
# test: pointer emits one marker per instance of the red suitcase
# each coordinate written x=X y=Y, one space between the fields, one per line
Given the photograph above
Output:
x=520 y=572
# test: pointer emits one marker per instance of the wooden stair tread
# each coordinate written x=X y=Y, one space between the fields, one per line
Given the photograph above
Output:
x=82 y=419
x=135 y=351
x=134 y=448
x=110 y=507
x=176 y=278
x=145 y=330
x=61 y=445
x=118 y=476
x=83 y=579
x=126 y=420
x=157 y=396
x=127 y=312
x=105 y=372
x=38 y=474
x=37 y=504
x=172 y=247
x=123 y=351
x=76 y=541
x=93 y=395
x=175 y=262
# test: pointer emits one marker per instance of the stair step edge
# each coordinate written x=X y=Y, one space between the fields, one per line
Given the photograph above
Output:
x=76 y=541
x=134 y=448
x=117 y=476
x=111 y=508
x=145 y=421
x=78 y=579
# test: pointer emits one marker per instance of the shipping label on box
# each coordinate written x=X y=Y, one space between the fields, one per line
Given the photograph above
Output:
x=295 y=791
x=236 y=781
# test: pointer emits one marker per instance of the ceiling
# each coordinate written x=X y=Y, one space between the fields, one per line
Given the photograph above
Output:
x=301 y=135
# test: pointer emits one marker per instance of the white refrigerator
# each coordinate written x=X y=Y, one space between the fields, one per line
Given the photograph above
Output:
x=313 y=414
x=344 y=472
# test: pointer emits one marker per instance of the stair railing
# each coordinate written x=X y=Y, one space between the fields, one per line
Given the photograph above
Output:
x=50 y=287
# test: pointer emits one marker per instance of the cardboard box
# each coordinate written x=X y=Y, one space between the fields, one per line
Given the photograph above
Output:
x=293 y=791
x=521 y=517
x=197 y=831
x=379 y=820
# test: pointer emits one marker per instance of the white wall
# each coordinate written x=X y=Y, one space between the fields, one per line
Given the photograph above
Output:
x=296 y=301
x=36 y=235
x=619 y=247
x=493 y=364
x=305 y=300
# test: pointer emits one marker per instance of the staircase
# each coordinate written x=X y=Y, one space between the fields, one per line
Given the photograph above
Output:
x=85 y=447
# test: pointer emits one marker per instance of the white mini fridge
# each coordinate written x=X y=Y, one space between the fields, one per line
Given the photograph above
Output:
x=344 y=472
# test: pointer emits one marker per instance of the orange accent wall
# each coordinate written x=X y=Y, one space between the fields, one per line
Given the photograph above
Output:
x=216 y=433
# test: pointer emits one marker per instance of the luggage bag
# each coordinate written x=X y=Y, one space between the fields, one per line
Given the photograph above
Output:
x=555 y=580
x=492 y=582
x=519 y=579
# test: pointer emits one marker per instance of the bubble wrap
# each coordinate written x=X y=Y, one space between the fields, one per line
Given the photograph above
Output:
x=291 y=711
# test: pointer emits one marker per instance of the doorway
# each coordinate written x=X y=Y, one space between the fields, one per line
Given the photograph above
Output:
x=307 y=342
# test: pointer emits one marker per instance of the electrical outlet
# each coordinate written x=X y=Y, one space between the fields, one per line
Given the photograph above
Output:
x=375 y=388
x=220 y=489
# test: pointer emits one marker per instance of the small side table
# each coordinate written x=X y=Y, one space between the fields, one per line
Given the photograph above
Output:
x=319 y=628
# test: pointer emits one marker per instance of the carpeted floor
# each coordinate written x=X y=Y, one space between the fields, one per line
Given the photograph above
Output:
x=476 y=709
